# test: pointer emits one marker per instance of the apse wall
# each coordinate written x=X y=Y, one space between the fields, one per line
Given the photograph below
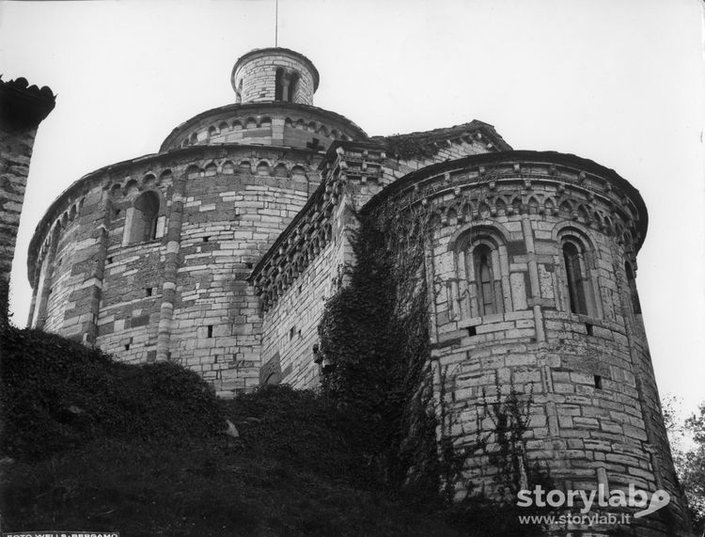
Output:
x=149 y=259
x=533 y=261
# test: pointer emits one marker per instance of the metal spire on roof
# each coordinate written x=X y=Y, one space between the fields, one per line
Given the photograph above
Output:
x=276 y=23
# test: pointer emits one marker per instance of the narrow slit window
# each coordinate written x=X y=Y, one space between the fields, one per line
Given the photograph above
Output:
x=486 y=298
x=633 y=295
x=574 y=272
x=210 y=331
x=598 y=382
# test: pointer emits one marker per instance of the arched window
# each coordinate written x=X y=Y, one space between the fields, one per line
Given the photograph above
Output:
x=576 y=276
x=631 y=280
x=285 y=86
x=487 y=299
x=145 y=212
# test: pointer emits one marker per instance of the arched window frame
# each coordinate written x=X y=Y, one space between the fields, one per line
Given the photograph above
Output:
x=144 y=219
x=577 y=260
x=466 y=294
x=481 y=264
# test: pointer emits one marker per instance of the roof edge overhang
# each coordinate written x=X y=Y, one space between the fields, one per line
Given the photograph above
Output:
x=523 y=155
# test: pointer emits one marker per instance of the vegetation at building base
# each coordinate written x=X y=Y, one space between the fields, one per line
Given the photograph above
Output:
x=92 y=444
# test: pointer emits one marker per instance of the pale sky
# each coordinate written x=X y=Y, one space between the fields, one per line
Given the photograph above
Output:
x=621 y=82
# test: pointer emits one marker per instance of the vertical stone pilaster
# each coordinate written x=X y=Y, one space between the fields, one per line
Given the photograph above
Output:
x=171 y=265
x=90 y=329
x=535 y=287
x=45 y=288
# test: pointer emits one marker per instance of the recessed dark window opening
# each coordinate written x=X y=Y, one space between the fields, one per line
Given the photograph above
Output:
x=472 y=331
x=210 y=330
x=588 y=327
x=598 y=382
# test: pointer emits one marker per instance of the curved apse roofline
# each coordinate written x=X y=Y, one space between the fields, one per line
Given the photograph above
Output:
x=272 y=105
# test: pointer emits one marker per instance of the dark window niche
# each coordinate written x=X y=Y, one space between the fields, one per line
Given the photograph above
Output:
x=588 y=327
x=148 y=291
x=472 y=330
x=210 y=331
x=598 y=382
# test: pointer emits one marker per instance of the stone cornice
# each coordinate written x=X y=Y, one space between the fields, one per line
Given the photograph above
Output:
x=310 y=230
x=567 y=170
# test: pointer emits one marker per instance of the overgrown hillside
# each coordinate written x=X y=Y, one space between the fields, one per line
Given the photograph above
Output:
x=92 y=444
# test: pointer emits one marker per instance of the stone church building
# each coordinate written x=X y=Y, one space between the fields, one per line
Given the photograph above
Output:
x=219 y=252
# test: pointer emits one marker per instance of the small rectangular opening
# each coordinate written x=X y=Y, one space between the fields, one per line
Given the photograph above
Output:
x=205 y=239
x=598 y=382
x=148 y=291
x=127 y=346
x=588 y=327
x=110 y=260
x=292 y=332
x=210 y=330
x=472 y=331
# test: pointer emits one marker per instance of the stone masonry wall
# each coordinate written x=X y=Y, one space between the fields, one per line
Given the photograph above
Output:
x=15 y=153
x=182 y=295
x=293 y=306
x=22 y=108
x=595 y=417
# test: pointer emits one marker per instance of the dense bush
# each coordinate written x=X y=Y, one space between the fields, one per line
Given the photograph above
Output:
x=302 y=428
x=57 y=394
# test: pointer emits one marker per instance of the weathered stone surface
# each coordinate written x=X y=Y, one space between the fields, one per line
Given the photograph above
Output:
x=257 y=203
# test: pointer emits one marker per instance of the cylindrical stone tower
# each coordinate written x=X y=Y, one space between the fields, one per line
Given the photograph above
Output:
x=532 y=259
x=274 y=74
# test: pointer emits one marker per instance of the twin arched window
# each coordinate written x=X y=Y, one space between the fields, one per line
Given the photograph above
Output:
x=285 y=86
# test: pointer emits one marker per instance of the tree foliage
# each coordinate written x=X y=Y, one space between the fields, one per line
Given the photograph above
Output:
x=688 y=445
